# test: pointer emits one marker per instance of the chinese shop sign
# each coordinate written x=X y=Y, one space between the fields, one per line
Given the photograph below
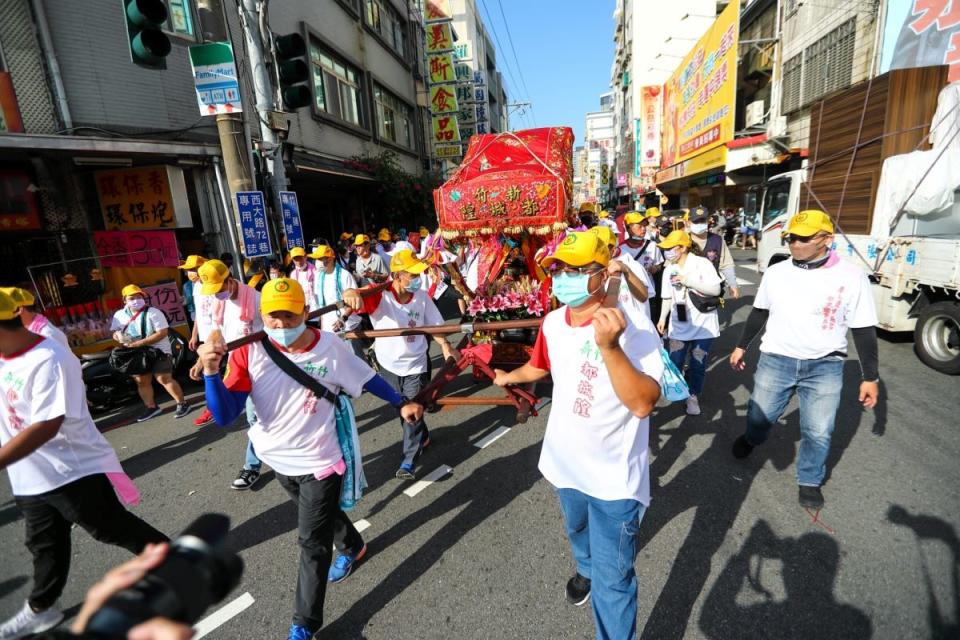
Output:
x=143 y=198
x=136 y=248
x=167 y=298
x=443 y=98
x=445 y=129
x=439 y=37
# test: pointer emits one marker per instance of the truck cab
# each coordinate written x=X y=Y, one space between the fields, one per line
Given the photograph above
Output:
x=778 y=199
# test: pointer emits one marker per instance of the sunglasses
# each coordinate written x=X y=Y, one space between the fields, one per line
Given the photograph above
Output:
x=792 y=238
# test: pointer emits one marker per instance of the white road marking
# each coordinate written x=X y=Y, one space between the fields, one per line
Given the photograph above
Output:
x=222 y=615
x=429 y=479
x=752 y=266
x=742 y=281
x=491 y=438
x=361 y=525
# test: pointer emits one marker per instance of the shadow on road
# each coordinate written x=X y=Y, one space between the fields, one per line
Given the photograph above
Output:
x=781 y=588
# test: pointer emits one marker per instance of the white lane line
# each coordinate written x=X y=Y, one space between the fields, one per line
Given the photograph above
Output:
x=751 y=266
x=222 y=615
x=491 y=438
x=429 y=479
x=361 y=525
x=742 y=281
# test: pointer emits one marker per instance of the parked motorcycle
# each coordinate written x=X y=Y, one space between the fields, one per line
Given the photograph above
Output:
x=106 y=388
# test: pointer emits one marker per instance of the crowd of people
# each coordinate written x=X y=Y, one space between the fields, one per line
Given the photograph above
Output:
x=606 y=355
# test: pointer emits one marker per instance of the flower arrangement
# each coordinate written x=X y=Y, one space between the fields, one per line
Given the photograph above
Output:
x=520 y=299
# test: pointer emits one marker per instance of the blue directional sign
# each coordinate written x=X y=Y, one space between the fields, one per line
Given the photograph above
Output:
x=291 y=219
x=253 y=224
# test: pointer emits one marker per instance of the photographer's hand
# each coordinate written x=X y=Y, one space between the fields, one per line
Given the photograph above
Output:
x=124 y=576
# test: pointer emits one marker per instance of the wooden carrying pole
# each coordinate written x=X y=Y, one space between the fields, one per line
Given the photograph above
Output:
x=445 y=329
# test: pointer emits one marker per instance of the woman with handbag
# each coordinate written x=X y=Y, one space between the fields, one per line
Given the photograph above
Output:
x=691 y=296
x=142 y=330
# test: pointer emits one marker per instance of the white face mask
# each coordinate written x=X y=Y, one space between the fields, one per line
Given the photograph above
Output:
x=136 y=304
x=698 y=228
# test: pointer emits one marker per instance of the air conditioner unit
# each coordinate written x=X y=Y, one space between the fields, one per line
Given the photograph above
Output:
x=777 y=127
x=754 y=113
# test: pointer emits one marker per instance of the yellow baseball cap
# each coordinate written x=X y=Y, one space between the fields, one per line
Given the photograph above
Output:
x=406 y=260
x=424 y=231
x=213 y=274
x=675 y=239
x=588 y=207
x=22 y=297
x=653 y=212
x=385 y=235
x=809 y=223
x=282 y=294
x=603 y=214
x=8 y=306
x=360 y=239
x=322 y=251
x=298 y=252
x=579 y=249
x=634 y=217
x=606 y=234
x=130 y=290
x=346 y=235
x=192 y=263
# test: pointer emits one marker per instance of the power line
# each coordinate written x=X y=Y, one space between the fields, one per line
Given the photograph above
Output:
x=516 y=61
x=500 y=47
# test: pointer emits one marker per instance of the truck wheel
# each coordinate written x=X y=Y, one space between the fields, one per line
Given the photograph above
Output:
x=937 y=337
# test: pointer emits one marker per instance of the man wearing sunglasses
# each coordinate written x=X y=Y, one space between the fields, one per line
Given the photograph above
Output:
x=605 y=385
x=807 y=305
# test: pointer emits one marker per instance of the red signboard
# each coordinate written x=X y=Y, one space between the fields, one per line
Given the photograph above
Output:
x=136 y=248
x=166 y=297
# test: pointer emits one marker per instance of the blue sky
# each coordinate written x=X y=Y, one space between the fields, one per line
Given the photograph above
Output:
x=564 y=49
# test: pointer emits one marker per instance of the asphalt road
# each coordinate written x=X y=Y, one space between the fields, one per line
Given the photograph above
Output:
x=481 y=553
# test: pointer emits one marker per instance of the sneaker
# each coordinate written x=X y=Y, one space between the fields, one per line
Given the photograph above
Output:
x=204 y=419
x=299 y=633
x=344 y=564
x=148 y=413
x=693 y=406
x=405 y=472
x=245 y=479
x=741 y=448
x=811 y=497
x=182 y=409
x=27 y=622
x=578 y=590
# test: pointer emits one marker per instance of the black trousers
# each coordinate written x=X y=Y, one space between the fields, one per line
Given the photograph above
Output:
x=89 y=502
x=321 y=524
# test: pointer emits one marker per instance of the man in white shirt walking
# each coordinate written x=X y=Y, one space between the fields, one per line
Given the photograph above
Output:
x=605 y=385
x=807 y=304
x=62 y=470
x=34 y=322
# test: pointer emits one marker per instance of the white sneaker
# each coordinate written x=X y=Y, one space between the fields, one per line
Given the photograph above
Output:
x=27 y=622
x=693 y=406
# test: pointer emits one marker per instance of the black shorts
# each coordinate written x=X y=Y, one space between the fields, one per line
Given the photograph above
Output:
x=163 y=364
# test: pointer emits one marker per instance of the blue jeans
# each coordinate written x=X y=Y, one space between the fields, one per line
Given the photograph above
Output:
x=697 y=369
x=603 y=538
x=251 y=462
x=818 y=384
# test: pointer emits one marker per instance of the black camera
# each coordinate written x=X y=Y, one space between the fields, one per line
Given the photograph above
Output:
x=196 y=573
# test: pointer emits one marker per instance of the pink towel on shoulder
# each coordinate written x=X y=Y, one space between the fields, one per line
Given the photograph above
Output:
x=124 y=488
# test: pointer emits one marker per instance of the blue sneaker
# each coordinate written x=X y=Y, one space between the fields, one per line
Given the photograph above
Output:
x=344 y=564
x=299 y=633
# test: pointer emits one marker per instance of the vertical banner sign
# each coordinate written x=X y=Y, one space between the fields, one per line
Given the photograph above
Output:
x=648 y=136
x=442 y=74
x=443 y=98
x=215 y=76
x=291 y=219
x=439 y=38
x=445 y=129
x=922 y=33
x=437 y=11
x=253 y=224
x=440 y=68
x=700 y=95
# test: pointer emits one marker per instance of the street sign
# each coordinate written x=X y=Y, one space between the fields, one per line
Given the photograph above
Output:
x=291 y=219
x=253 y=224
x=215 y=76
x=447 y=150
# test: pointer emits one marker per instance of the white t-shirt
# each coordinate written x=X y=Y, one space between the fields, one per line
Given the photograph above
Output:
x=307 y=278
x=296 y=432
x=326 y=292
x=593 y=443
x=43 y=327
x=374 y=263
x=205 y=310
x=700 y=272
x=811 y=309
x=42 y=383
x=233 y=327
x=155 y=322
x=648 y=255
x=631 y=306
x=403 y=355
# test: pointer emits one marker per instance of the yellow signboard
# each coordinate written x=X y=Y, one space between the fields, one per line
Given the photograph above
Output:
x=700 y=95
x=143 y=198
x=439 y=37
x=437 y=11
x=712 y=159
x=448 y=151
x=440 y=68
x=445 y=129
x=443 y=98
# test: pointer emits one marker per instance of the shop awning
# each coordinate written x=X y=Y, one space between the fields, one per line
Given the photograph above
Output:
x=93 y=144
x=753 y=151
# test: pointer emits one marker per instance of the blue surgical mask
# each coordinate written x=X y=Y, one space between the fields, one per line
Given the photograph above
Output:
x=571 y=289
x=698 y=228
x=286 y=336
x=414 y=285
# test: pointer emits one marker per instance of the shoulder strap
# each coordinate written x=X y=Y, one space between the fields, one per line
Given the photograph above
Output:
x=143 y=323
x=297 y=373
x=130 y=321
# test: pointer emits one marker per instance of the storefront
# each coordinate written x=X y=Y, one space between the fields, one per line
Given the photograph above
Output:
x=698 y=181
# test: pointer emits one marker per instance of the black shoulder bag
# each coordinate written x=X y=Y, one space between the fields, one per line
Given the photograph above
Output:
x=135 y=360
x=297 y=373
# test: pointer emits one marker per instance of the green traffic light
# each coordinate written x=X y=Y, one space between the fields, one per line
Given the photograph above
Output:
x=148 y=44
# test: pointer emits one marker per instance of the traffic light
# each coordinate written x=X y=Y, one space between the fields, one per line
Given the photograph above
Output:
x=292 y=67
x=149 y=45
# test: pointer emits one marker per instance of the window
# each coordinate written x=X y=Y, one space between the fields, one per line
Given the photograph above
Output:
x=180 y=20
x=336 y=86
x=394 y=118
x=792 y=69
x=829 y=62
x=387 y=23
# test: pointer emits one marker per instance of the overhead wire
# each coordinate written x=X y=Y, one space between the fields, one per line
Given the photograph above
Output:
x=500 y=47
x=516 y=61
